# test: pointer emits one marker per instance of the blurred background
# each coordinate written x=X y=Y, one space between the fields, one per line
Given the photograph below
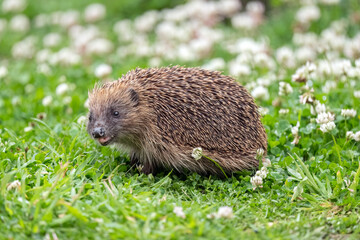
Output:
x=52 y=52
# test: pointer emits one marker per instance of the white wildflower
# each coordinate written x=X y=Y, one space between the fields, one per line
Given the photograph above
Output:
x=348 y=112
x=179 y=212
x=283 y=111
x=307 y=14
x=13 y=5
x=357 y=136
x=15 y=100
x=86 y=103
x=44 y=69
x=262 y=173
x=303 y=73
x=67 y=100
x=3 y=71
x=266 y=162
x=319 y=108
x=260 y=92
x=52 y=39
x=256 y=181
x=239 y=69
x=357 y=63
x=295 y=129
x=99 y=46
x=350 y=135
x=20 y=23
x=94 y=12
x=327 y=127
x=285 y=89
x=103 y=70
x=285 y=56
x=24 y=48
x=81 y=120
x=47 y=100
x=357 y=94
x=225 y=212
x=263 y=111
x=28 y=129
x=14 y=185
x=197 y=153
x=325 y=117
x=215 y=64
x=62 y=88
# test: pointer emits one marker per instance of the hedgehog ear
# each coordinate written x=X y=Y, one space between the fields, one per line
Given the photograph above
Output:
x=134 y=96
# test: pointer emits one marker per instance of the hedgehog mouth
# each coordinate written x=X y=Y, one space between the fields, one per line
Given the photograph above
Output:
x=104 y=140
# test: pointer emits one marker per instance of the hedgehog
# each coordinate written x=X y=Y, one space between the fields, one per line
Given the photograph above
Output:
x=160 y=115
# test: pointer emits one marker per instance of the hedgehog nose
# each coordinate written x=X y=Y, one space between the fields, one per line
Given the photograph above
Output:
x=98 y=132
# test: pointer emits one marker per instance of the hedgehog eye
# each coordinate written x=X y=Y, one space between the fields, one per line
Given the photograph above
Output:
x=90 y=117
x=116 y=113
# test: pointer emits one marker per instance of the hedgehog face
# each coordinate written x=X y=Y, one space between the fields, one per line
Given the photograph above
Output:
x=110 y=114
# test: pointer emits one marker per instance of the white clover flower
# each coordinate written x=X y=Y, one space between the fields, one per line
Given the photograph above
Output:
x=13 y=5
x=24 y=48
x=44 y=69
x=285 y=56
x=262 y=173
x=179 y=212
x=67 y=100
x=263 y=111
x=52 y=39
x=225 y=212
x=283 y=111
x=303 y=73
x=215 y=64
x=327 y=127
x=15 y=100
x=146 y=22
x=357 y=94
x=285 y=89
x=81 y=120
x=259 y=153
x=319 y=107
x=99 y=46
x=66 y=57
x=3 y=71
x=94 y=12
x=28 y=129
x=239 y=69
x=14 y=185
x=62 y=88
x=357 y=63
x=103 y=70
x=266 y=162
x=256 y=181
x=20 y=23
x=307 y=14
x=350 y=135
x=197 y=153
x=357 y=136
x=47 y=100
x=325 y=117
x=86 y=103
x=295 y=129
x=348 y=112
x=260 y=92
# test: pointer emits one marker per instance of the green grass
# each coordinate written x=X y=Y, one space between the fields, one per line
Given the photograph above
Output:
x=71 y=188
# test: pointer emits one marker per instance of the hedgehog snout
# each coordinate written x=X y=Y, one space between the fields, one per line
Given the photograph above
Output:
x=98 y=132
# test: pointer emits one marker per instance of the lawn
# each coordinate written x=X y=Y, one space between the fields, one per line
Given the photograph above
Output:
x=300 y=61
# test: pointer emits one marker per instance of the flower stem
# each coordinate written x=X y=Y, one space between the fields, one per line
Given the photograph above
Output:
x=216 y=165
